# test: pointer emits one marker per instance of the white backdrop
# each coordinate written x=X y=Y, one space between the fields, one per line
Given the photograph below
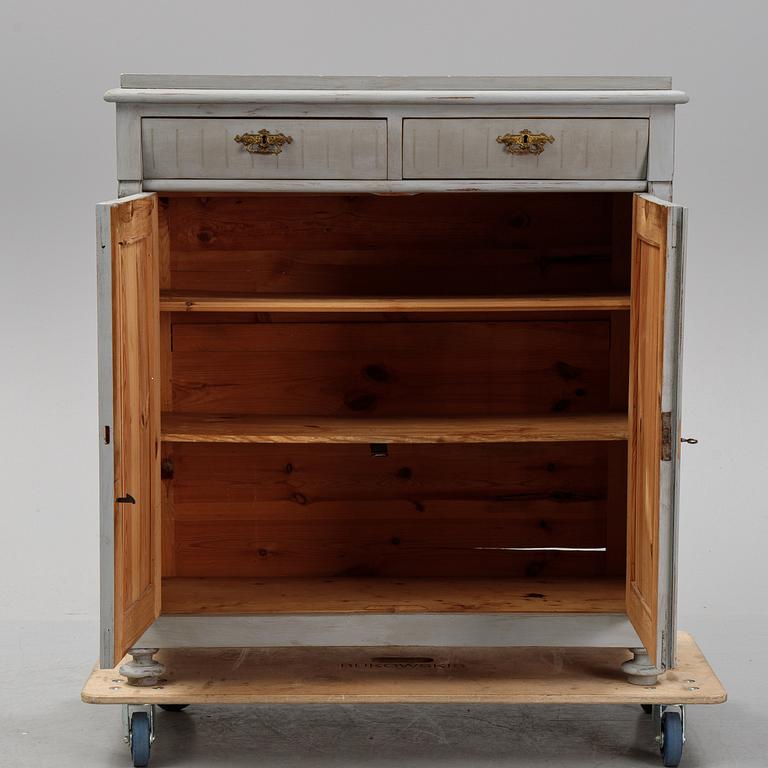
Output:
x=57 y=148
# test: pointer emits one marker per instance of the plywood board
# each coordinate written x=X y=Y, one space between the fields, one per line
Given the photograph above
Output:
x=393 y=674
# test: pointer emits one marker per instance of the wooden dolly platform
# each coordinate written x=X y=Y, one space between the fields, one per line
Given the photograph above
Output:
x=408 y=675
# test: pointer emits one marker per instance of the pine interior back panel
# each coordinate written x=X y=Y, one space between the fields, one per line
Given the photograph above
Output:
x=425 y=511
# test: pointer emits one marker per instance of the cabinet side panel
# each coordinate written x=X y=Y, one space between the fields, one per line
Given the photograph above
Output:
x=106 y=449
x=671 y=403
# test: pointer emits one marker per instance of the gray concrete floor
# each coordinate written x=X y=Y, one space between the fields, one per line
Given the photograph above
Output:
x=43 y=723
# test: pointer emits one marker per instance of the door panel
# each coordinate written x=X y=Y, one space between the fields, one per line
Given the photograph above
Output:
x=129 y=245
x=653 y=414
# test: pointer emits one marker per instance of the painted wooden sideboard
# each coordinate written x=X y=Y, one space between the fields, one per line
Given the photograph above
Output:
x=390 y=362
x=390 y=359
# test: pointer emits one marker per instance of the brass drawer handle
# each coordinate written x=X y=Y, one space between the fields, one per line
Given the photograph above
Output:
x=263 y=142
x=525 y=142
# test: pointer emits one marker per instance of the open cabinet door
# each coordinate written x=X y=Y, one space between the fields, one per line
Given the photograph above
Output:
x=129 y=405
x=654 y=371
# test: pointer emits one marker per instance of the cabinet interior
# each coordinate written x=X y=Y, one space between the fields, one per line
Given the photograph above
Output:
x=394 y=403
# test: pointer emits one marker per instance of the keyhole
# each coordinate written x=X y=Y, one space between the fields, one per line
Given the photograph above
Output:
x=525 y=138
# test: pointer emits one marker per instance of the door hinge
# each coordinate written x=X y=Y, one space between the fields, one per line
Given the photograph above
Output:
x=666 y=436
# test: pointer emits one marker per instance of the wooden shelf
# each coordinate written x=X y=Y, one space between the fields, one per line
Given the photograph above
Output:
x=187 y=302
x=380 y=595
x=195 y=428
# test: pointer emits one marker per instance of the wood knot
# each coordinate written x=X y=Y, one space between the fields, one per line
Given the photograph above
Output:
x=360 y=401
x=566 y=371
x=376 y=372
x=534 y=568
x=519 y=220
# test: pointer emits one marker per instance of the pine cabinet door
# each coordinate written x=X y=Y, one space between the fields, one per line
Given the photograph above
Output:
x=655 y=338
x=129 y=384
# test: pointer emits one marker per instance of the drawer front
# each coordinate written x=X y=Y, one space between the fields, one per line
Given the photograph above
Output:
x=580 y=148
x=205 y=148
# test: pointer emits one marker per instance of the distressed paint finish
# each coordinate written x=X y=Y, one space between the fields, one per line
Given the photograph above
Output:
x=393 y=187
x=202 y=148
x=393 y=102
x=340 y=96
x=451 y=82
x=468 y=149
x=495 y=630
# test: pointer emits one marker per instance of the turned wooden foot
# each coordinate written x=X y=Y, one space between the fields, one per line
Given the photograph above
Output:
x=640 y=670
x=143 y=670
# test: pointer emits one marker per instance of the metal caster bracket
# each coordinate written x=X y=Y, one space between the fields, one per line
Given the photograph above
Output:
x=658 y=711
x=128 y=710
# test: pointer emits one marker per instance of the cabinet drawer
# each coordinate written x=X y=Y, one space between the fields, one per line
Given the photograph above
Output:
x=205 y=148
x=573 y=148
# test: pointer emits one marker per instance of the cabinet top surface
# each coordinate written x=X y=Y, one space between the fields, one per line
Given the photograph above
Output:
x=311 y=88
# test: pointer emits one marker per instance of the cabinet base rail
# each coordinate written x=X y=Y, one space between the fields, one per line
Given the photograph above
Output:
x=608 y=630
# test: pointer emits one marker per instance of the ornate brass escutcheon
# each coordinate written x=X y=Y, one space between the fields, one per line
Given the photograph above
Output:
x=525 y=142
x=263 y=142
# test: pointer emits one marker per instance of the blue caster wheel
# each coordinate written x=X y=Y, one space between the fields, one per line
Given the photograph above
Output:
x=173 y=707
x=671 y=739
x=140 y=739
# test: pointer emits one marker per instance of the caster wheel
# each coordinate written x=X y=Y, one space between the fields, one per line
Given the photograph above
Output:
x=173 y=707
x=671 y=739
x=647 y=708
x=140 y=739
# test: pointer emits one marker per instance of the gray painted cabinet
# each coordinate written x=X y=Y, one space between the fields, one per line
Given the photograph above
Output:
x=238 y=410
